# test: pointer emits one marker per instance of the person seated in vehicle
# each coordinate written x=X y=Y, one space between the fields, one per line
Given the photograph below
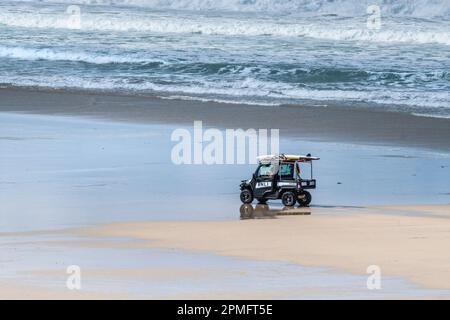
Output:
x=287 y=171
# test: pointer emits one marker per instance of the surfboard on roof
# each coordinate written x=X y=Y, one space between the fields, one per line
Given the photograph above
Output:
x=287 y=157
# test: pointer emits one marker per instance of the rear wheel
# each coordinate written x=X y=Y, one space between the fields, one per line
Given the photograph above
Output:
x=246 y=196
x=288 y=199
x=306 y=199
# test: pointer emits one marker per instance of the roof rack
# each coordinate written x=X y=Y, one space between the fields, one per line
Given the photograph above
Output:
x=287 y=158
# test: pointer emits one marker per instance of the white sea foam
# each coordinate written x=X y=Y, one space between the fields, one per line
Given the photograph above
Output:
x=349 y=31
x=246 y=91
x=416 y=8
x=271 y=56
x=68 y=55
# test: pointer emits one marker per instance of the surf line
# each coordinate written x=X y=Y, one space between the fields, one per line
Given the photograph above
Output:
x=201 y=311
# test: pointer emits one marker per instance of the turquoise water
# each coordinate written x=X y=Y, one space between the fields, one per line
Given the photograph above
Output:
x=260 y=51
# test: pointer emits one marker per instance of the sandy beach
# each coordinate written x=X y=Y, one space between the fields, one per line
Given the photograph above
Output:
x=346 y=241
x=101 y=188
x=132 y=135
x=100 y=203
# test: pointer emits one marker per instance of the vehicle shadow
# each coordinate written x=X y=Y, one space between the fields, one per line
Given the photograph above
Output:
x=263 y=211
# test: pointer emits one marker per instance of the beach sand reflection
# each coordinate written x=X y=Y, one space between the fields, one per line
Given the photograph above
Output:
x=264 y=211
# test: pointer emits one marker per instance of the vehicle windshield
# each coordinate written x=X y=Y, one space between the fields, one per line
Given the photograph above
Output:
x=286 y=171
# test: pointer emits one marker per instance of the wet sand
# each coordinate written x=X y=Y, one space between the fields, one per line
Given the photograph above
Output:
x=411 y=247
x=365 y=125
x=321 y=255
x=10 y=290
x=75 y=172
x=102 y=175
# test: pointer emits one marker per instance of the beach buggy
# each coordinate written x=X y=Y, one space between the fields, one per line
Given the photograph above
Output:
x=280 y=177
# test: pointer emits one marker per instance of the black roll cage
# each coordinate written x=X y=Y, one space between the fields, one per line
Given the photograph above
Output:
x=255 y=174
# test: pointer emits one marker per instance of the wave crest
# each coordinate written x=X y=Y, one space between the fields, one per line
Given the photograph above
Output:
x=416 y=8
x=55 y=55
x=230 y=27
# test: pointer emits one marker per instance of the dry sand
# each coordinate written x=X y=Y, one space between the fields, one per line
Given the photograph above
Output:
x=411 y=247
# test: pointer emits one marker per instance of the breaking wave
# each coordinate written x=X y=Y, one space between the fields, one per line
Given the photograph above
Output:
x=69 y=55
x=355 y=31
x=413 y=8
x=245 y=91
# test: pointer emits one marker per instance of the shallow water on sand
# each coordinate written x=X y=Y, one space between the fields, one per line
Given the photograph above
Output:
x=59 y=172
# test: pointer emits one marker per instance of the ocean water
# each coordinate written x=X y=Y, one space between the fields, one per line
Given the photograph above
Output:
x=267 y=52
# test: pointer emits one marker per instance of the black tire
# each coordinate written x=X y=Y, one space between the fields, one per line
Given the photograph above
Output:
x=246 y=196
x=288 y=198
x=306 y=200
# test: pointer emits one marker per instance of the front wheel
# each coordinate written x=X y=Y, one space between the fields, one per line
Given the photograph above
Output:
x=246 y=196
x=306 y=200
x=288 y=199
